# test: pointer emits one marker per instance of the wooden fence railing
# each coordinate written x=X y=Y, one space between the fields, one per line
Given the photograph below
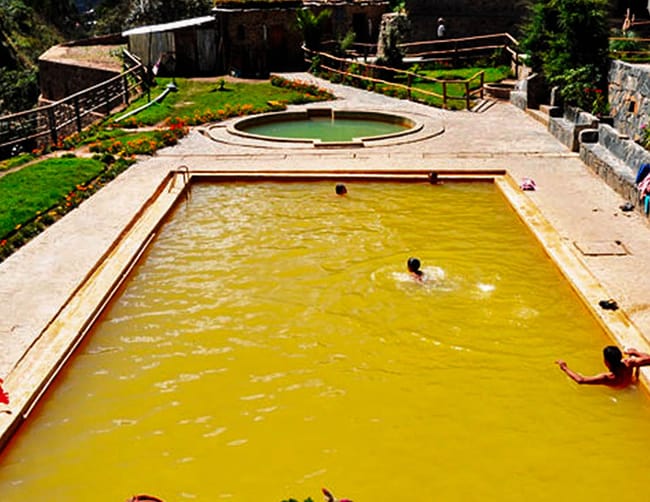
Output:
x=48 y=124
x=355 y=66
x=453 y=50
x=630 y=49
x=407 y=83
x=457 y=49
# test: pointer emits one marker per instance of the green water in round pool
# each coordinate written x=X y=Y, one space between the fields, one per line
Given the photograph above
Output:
x=325 y=128
x=271 y=342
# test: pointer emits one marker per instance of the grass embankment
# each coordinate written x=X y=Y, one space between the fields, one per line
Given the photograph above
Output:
x=40 y=193
x=36 y=196
x=27 y=192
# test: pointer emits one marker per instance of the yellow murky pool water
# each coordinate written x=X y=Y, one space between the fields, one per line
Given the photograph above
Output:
x=271 y=343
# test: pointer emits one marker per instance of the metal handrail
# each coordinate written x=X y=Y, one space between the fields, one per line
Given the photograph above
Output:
x=71 y=113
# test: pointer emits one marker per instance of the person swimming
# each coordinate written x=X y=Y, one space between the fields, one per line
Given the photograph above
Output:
x=340 y=189
x=621 y=369
x=413 y=265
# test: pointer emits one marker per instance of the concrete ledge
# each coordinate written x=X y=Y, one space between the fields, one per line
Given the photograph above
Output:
x=568 y=127
x=584 y=283
x=616 y=159
x=31 y=377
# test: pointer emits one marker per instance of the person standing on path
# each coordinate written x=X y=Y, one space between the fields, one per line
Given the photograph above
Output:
x=442 y=29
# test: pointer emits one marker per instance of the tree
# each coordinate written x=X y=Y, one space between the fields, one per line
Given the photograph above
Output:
x=567 y=42
x=144 y=12
x=111 y=16
x=311 y=25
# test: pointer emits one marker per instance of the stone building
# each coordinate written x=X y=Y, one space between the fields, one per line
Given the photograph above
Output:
x=256 y=38
x=248 y=38
x=181 y=48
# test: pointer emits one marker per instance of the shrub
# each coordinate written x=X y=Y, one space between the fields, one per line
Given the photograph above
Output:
x=568 y=39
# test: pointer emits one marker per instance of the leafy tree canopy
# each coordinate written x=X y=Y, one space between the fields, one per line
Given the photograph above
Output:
x=567 y=42
x=144 y=12
x=312 y=25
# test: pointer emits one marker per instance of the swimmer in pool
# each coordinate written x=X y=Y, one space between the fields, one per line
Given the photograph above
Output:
x=622 y=370
x=340 y=189
x=413 y=265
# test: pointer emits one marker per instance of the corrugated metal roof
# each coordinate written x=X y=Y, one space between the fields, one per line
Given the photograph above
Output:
x=176 y=25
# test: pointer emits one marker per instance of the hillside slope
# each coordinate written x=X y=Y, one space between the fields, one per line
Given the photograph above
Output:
x=27 y=29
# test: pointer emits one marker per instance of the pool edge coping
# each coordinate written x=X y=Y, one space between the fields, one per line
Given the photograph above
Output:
x=38 y=367
x=360 y=142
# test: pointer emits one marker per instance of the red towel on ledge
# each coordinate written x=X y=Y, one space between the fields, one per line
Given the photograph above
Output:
x=4 y=397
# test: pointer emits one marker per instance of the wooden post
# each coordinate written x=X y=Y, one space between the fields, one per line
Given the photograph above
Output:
x=482 y=83
x=444 y=94
x=77 y=113
x=107 y=98
x=125 y=86
x=409 y=83
x=467 y=94
x=52 y=123
x=516 y=65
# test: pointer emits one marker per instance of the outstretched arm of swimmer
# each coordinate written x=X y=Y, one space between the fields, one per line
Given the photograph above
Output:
x=601 y=379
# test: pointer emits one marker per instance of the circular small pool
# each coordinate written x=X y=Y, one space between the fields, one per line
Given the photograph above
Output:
x=325 y=126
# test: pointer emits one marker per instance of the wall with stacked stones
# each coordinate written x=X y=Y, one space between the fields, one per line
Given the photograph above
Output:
x=465 y=17
x=629 y=97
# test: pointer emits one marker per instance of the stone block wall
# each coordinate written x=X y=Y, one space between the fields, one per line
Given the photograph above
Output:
x=629 y=97
x=254 y=42
x=59 y=80
x=465 y=17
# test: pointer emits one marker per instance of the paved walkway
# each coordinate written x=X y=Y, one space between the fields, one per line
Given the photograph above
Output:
x=36 y=282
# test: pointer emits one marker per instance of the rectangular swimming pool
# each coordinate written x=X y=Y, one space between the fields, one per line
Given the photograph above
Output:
x=270 y=342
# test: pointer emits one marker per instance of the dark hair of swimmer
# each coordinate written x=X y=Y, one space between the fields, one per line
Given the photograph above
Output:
x=341 y=190
x=613 y=357
x=413 y=265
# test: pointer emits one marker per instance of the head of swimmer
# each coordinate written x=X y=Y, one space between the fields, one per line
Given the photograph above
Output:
x=340 y=189
x=413 y=265
x=613 y=357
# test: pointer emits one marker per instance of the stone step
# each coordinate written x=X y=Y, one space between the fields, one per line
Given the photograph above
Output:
x=538 y=115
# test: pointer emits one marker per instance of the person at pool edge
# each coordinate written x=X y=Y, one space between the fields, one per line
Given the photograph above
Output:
x=413 y=265
x=340 y=189
x=621 y=372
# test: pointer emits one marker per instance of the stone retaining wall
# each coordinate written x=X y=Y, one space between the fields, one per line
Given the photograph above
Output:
x=629 y=97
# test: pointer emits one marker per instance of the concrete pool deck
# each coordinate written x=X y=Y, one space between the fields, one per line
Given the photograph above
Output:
x=37 y=282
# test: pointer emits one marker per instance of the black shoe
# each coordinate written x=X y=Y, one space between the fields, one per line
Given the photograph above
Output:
x=608 y=304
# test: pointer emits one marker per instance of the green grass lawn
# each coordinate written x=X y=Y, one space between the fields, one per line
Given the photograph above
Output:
x=491 y=74
x=16 y=161
x=199 y=101
x=30 y=191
